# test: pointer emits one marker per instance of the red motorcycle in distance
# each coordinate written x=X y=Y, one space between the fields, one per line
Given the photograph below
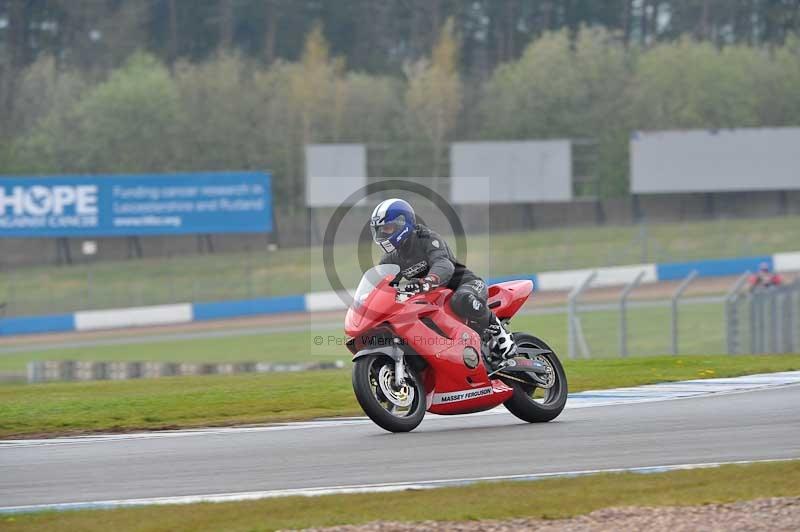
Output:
x=412 y=354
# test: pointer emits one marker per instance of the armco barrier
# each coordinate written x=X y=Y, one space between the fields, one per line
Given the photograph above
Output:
x=321 y=301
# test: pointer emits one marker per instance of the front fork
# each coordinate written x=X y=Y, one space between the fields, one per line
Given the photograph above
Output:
x=399 y=364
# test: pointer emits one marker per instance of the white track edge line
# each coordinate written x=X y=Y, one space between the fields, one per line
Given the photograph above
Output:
x=335 y=422
x=361 y=488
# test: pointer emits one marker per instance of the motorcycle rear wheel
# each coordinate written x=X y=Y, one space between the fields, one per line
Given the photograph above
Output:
x=523 y=404
x=367 y=373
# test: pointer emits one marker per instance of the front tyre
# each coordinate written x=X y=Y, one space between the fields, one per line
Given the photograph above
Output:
x=533 y=403
x=396 y=409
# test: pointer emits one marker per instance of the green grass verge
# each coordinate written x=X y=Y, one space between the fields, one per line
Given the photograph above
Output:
x=701 y=327
x=295 y=271
x=276 y=347
x=546 y=499
x=69 y=408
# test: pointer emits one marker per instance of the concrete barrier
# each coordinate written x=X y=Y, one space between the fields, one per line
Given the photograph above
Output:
x=711 y=268
x=786 y=262
x=610 y=276
x=133 y=317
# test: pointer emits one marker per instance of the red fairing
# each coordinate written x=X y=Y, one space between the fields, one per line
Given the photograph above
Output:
x=511 y=295
x=371 y=312
x=429 y=328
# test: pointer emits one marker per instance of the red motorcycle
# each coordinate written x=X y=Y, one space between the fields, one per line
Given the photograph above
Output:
x=411 y=353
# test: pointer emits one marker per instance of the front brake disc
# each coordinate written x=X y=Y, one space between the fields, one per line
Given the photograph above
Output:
x=403 y=396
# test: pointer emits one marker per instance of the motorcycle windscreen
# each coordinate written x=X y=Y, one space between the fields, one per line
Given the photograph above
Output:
x=370 y=280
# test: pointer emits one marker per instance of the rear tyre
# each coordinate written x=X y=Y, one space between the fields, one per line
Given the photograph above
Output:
x=391 y=408
x=526 y=403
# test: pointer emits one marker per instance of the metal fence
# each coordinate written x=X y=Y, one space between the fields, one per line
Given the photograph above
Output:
x=765 y=320
x=741 y=321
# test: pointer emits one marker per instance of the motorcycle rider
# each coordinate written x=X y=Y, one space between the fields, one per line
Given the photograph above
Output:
x=426 y=261
x=765 y=278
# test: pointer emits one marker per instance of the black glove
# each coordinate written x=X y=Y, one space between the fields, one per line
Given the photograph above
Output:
x=426 y=284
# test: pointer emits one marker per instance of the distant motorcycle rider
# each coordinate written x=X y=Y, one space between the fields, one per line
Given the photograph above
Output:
x=765 y=278
x=426 y=261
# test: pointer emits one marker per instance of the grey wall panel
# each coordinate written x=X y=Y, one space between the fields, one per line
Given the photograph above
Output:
x=517 y=172
x=333 y=172
x=715 y=161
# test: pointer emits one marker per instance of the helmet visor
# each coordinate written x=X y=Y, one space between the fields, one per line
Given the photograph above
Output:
x=384 y=231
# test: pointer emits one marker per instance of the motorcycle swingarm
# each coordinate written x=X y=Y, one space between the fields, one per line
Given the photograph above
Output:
x=533 y=352
x=523 y=365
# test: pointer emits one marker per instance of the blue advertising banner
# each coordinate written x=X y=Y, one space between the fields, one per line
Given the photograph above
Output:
x=128 y=205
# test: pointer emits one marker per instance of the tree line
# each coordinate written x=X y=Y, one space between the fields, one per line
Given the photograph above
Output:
x=594 y=71
x=377 y=36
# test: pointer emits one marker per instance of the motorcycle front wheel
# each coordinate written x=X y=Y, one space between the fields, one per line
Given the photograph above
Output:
x=393 y=408
x=535 y=403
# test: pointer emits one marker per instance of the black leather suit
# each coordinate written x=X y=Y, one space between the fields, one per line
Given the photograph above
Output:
x=425 y=253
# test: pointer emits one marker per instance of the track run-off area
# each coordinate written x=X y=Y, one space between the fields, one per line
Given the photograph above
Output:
x=659 y=427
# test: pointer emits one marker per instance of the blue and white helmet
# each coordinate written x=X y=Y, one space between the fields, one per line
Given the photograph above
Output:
x=392 y=222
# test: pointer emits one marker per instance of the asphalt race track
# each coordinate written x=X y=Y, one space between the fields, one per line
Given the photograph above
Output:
x=754 y=425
